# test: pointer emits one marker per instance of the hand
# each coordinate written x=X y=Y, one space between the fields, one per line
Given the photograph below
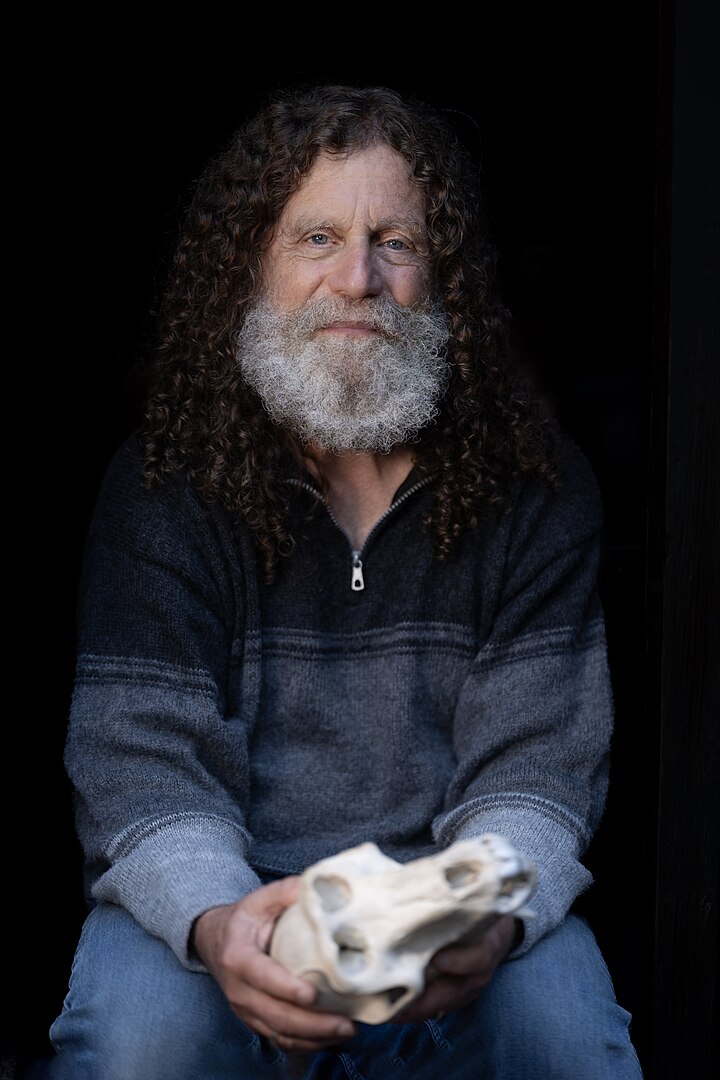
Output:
x=460 y=972
x=232 y=942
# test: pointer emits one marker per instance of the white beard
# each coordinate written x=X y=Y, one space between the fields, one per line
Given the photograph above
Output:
x=360 y=394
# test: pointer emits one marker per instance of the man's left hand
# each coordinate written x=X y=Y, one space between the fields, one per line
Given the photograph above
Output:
x=461 y=972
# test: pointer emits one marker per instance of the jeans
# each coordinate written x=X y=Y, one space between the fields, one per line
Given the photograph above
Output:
x=134 y=1013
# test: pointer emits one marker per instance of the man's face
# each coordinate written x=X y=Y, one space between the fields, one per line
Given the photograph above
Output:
x=345 y=348
x=355 y=228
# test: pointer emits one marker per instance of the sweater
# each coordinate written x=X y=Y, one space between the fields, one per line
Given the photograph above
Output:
x=223 y=731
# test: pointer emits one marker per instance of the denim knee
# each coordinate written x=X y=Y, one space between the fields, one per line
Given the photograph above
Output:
x=133 y=1012
x=553 y=1012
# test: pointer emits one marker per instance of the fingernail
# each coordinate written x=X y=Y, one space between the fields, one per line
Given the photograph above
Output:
x=345 y=1029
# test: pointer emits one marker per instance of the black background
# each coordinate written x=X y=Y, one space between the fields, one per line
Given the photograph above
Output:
x=565 y=115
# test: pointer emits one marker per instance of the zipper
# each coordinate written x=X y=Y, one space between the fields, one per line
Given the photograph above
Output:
x=357 y=579
x=357 y=582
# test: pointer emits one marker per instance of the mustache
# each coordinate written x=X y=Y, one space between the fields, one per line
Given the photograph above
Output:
x=380 y=313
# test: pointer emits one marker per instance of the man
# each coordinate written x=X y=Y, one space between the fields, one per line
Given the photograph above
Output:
x=340 y=588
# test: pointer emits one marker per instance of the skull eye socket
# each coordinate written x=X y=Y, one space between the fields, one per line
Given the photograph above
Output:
x=462 y=874
x=333 y=892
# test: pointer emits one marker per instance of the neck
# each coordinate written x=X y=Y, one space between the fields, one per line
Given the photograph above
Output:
x=360 y=486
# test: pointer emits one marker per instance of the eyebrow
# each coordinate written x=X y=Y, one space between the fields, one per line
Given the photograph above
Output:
x=414 y=225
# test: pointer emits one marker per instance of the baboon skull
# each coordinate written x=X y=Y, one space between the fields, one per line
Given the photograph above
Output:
x=365 y=927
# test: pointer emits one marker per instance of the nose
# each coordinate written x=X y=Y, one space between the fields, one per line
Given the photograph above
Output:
x=356 y=272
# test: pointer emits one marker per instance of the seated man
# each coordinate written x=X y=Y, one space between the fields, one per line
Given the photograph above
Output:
x=340 y=587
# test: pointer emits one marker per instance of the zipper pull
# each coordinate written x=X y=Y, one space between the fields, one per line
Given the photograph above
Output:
x=357 y=583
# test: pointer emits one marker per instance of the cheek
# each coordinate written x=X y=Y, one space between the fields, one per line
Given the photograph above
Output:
x=289 y=285
x=410 y=286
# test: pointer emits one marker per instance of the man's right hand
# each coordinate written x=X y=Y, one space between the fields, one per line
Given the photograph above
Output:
x=232 y=942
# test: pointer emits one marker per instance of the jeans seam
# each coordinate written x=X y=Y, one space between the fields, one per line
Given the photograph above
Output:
x=437 y=1035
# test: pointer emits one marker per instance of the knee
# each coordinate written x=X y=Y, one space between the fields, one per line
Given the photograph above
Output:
x=133 y=1012
x=589 y=1039
x=162 y=1038
x=556 y=1007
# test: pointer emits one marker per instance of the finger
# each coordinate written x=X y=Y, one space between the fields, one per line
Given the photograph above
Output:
x=463 y=961
x=275 y=896
x=300 y=1029
x=261 y=909
x=440 y=996
x=282 y=1015
x=483 y=955
x=261 y=973
x=297 y=1045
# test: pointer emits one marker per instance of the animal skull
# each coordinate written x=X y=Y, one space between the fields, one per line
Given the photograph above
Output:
x=365 y=927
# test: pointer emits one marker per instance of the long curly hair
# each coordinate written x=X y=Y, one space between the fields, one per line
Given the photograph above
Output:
x=201 y=419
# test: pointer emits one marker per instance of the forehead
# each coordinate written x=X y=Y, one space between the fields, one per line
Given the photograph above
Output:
x=373 y=183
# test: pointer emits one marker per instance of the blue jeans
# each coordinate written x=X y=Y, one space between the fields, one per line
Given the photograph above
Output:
x=134 y=1013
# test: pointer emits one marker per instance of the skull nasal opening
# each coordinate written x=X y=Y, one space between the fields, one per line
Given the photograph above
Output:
x=351 y=950
x=461 y=874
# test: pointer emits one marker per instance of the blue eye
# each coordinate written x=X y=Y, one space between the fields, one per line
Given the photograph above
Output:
x=319 y=239
x=396 y=245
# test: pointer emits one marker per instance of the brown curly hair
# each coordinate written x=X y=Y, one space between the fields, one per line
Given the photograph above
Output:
x=203 y=421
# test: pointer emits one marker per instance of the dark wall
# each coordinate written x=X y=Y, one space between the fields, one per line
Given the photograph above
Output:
x=565 y=118
x=683 y=564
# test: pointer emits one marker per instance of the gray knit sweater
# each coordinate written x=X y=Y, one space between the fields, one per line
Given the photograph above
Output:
x=223 y=731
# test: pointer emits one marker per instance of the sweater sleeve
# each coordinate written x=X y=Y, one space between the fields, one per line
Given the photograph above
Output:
x=533 y=724
x=157 y=740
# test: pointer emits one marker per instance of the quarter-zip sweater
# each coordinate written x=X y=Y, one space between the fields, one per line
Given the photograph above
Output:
x=223 y=731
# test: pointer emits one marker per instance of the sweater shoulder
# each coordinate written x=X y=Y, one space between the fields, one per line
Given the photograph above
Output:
x=575 y=503
x=127 y=502
x=167 y=523
x=579 y=487
x=124 y=478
